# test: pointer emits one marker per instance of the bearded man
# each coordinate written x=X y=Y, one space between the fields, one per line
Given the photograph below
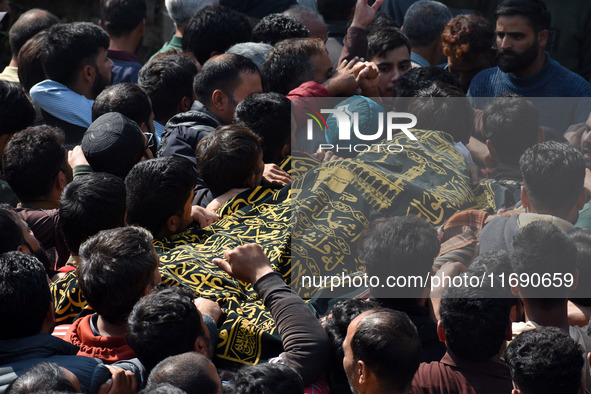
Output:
x=524 y=68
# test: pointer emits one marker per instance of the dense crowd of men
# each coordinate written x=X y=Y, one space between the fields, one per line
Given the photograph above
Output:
x=103 y=155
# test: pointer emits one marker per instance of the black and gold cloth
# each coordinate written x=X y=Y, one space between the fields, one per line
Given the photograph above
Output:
x=308 y=228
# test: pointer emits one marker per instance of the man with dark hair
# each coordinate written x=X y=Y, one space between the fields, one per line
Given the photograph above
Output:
x=192 y=372
x=545 y=360
x=114 y=144
x=181 y=11
x=117 y=267
x=28 y=320
x=341 y=315
x=382 y=352
x=553 y=175
x=160 y=194
x=125 y=22
x=511 y=126
x=26 y=26
x=423 y=24
x=230 y=158
x=168 y=82
x=45 y=376
x=303 y=63
x=213 y=30
x=129 y=100
x=337 y=14
x=89 y=204
x=15 y=235
x=541 y=249
x=36 y=168
x=475 y=330
x=223 y=82
x=267 y=377
x=403 y=246
x=389 y=49
x=78 y=69
x=268 y=115
x=165 y=323
x=277 y=27
x=524 y=68
x=16 y=113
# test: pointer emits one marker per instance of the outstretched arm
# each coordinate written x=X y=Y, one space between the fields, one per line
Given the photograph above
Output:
x=307 y=347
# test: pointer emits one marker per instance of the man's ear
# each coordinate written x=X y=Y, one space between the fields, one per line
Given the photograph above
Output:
x=218 y=99
x=440 y=332
x=543 y=37
x=88 y=73
x=249 y=182
x=142 y=28
x=185 y=104
x=525 y=199
x=172 y=224
x=285 y=150
x=49 y=320
x=582 y=200
x=60 y=182
x=362 y=372
x=200 y=346
x=493 y=152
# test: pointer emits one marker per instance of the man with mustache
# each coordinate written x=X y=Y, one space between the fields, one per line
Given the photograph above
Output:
x=524 y=68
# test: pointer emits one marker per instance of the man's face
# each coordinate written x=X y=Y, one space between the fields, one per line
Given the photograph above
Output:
x=260 y=168
x=323 y=67
x=32 y=245
x=103 y=76
x=185 y=218
x=586 y=143
x=349 y=361
x=517 y=43
x=467 y=68
x=391 y=66
x=249 y=83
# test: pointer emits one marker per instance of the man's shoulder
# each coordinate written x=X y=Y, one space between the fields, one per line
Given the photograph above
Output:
x=482 y=83
x=573 y=84
x=498 y=233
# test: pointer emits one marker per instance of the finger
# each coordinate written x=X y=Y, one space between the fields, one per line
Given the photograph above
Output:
x=222 y=264
x=352 y=63
x=105 y=387
x=378 y=3
x=202 y=221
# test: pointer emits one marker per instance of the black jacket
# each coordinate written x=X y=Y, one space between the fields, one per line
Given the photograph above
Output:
x=181 y=136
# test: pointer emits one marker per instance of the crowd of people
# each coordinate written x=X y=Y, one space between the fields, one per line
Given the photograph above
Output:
x=104 y=157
